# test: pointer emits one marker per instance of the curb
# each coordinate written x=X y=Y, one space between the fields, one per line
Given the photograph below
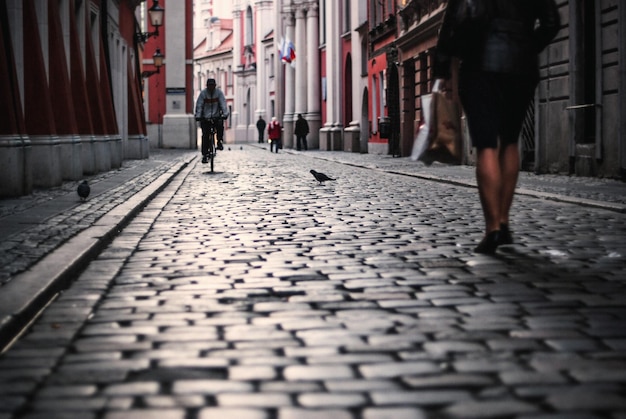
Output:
x=31 y=291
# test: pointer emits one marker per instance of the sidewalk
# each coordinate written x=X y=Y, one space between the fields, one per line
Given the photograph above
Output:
x=608 y=194
x=49 y=236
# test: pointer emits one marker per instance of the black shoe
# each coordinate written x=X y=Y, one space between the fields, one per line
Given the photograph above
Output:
x=205 y=159
x=505 y=234
x=220 y=146
x=489 y=243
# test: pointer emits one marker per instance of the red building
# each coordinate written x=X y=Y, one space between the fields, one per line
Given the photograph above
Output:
x=383 y=76
x=69 y=91
x=168 y=90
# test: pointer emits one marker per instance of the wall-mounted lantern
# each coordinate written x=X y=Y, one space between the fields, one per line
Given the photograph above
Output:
x=158 y=63
x=156 y=14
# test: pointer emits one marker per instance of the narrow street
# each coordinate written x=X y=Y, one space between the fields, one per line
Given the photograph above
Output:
x=255 y=292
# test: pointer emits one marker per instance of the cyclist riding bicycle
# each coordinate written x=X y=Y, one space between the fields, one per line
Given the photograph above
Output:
x=211 y=108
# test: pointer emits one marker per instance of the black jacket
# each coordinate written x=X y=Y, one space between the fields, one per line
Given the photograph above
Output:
x=510 y=42
x=302 y=127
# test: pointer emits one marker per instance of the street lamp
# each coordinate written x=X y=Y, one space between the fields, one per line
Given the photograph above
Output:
x=157 y=58
x=156 y=14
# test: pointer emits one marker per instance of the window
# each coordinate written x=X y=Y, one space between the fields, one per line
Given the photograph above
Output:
x=364 y=57
x=249 y=26
x=389 y=10
x=383 y=89
x=322 y=22
x=346 y=14
x=374 y=104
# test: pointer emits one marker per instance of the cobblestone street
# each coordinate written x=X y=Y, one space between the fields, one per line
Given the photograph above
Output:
x=255 y=292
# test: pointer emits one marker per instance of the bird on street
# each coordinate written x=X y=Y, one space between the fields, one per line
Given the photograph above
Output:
x=320 y=177
x=83 y=190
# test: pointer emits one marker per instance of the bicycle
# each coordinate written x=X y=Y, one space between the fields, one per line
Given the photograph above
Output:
x=210 y=132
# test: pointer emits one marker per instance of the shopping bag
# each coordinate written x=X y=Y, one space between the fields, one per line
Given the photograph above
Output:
x=440 y=137
x=421 y=140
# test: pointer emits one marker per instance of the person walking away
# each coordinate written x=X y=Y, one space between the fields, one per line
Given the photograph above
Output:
x=260 y=126
x=211 y=105
x=301 y=131
x=498 y=75
x=274 y=132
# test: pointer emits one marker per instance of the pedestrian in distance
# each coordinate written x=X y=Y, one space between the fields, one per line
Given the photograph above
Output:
x=498 y=75
x=274 y=132
x=260 y=126
x=211 y=108
x=301 y=131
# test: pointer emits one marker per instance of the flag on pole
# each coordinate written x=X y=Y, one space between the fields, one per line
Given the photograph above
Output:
x=287 y=51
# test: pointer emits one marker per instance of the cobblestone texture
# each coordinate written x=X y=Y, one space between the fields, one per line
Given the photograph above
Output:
x=52 y=228
x=254 y=292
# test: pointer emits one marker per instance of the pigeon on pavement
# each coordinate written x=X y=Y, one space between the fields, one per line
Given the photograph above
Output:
x=83 y=190
x=320 y=177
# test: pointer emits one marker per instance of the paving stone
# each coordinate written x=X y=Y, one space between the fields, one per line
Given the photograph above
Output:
x=439 y=349
x=573 y=345
x=69 y=404
x=68 y=391
x=317 y=372
x=398 y=369
x=485 y=365
x=260 y=400
x=251 y=373
x=517 y=378
x=11 y=403
x=232 y=413
x=167 y=402
x=394 y=413
x=489 y=409
x=289 y=387
x=146 y=414
x=599 y=375
x=450 y=380
x=210 y=387
x=298 y=413
x=575 y=400
x=569 y=415
x=327 y=400
x=132 y=389
x=421 y=398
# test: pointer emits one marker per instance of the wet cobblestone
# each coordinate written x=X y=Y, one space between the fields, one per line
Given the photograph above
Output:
x=256 y=293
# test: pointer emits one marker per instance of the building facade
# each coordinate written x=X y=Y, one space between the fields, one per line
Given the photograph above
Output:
x=213 y=58
x=168 y=94
x=576 y=123
x=69 y=93
x=253 y=53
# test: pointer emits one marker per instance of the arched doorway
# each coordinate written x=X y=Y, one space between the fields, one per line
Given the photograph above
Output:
x=347 y=94
x=393 y=106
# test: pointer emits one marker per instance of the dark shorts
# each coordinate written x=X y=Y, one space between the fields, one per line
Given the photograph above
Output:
x=495 y=106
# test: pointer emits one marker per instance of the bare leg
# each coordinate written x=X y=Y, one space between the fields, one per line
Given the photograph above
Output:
x=509 y=168
x=489 y=179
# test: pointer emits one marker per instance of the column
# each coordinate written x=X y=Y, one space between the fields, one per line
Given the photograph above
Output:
x=290 y=88
x=301 y=62
x=237 y=66
x=178 y=126
x=38 y=114
x=313 y=115
x=331 y=134
x=263 y=26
